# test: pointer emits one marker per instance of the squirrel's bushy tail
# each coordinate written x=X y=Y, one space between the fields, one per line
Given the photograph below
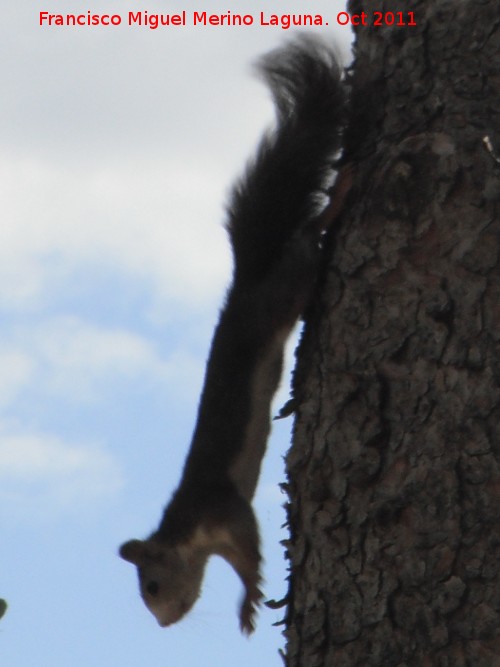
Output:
x=279 y=191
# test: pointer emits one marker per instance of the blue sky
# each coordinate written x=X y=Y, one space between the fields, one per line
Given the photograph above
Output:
x=117 y=149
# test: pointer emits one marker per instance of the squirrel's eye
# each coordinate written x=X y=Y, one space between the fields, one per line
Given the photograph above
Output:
x=153 y=588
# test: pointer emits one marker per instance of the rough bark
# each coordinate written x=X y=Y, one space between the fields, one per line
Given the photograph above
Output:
x=394 y=473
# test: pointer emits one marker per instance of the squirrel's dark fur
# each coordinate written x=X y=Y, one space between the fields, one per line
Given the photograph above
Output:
x=275 y=226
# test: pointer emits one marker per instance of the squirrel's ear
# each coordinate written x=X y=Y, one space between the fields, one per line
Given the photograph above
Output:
x=134 y=551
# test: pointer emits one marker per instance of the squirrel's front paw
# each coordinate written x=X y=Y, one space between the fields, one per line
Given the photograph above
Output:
x=248 y=610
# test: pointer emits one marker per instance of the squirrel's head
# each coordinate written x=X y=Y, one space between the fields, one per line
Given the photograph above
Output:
x=169 y=580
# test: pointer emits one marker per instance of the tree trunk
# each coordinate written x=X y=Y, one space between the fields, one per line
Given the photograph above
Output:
x=394 y=473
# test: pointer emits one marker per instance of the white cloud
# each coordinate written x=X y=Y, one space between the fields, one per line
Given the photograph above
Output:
x=69 y=358
x=81 y=361
x=42 y=471
x=78 y=354
x=17 y=371
x=158 y=222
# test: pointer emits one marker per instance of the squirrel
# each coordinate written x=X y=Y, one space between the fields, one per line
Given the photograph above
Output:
x=275 y=225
